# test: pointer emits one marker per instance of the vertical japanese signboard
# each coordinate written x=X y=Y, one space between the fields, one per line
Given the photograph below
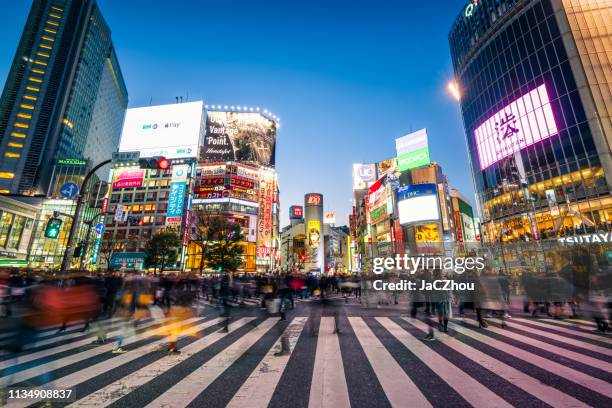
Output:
x=267 y=187
x=176 y=198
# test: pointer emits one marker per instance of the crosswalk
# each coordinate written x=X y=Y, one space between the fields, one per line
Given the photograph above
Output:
x=262 y=361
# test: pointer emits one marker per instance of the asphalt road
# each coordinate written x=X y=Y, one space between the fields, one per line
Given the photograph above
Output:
x=336 y=353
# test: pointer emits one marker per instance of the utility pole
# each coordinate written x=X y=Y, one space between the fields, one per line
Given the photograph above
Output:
x=77 y=215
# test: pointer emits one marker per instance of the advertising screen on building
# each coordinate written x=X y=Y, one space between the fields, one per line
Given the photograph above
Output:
x=417 y=203
x=364 y=175
x=128 y=178
x=239 y=136
x=524 y=122
x=386 y=166
x=176 y=198
x=172 y=131
x=412 y=150
x=314 y=233
x=296 y=212
x=329 y=217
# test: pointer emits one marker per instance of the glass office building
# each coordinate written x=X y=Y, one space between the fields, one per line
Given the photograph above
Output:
x=64 y=97
x=535 y=80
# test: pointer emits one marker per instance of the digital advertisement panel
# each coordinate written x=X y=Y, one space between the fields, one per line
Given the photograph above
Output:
x=239 y=136
x=172 y=131
x=522 y=123
x=385 y=167
x=176 y=198
x=427 y=238
x=417 y=202
x=363 y=175
x=314 y=233
x=412 y=150
x=128 y=178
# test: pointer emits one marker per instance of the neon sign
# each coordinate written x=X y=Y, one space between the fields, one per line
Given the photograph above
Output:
x=524 y=122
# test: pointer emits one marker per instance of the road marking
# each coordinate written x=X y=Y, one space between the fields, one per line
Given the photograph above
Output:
x=564 y=339
x=257 y=390
x=78 y=377
x=541 y=391
x=113 y=392
x=580 y=332
x=397 y=385
x=592 y=383
x=572 y=355
x=471 y=390
x=64 y=347
x=75 y=358
x=328 y=388
x=186 y=390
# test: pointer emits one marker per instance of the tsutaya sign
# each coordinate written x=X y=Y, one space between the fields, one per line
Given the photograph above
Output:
x=524 y=122
x=588 y=239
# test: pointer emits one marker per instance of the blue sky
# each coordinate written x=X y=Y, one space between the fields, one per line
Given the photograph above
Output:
x=345 y=77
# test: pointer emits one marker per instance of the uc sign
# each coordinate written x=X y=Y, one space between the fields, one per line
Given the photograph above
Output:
x=366 y=173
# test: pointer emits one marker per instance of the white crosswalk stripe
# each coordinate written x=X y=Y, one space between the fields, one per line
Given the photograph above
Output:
x=566 y=330
x=329 y=388
x=259 y=387
x=190 y=387
x=394 y=380
x=531 y=385
x=469 y=370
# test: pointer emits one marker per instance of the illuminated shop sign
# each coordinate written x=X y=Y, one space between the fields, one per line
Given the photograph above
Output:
x=524 y=122
x=296 y=212
x=314 y=199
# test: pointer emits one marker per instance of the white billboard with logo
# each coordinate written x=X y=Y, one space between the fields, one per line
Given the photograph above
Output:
x=172 y=131
x=364 y=175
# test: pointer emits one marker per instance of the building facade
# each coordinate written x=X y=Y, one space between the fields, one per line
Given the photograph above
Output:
x=535 y=82
x=17 y=222
x=64 y=97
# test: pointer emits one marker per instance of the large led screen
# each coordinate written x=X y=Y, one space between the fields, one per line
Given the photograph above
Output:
x=522 y=123
x=239 y=136
x=423 y=208
x=172 y=131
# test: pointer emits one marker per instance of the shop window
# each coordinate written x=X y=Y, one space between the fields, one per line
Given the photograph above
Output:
x=17 y=229
x=6 y=221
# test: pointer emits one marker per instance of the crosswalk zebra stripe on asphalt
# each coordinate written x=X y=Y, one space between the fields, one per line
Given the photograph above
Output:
x=576 y=333
x=64 y=347
x=533 y=386
x=116 y=390
x=186 y=390
x=572 y=355
x=578 y=377
x=471 y=390
x=258 y=389
x=74 y=358
x=393 y=379
x=78 y=377
x=328 y=387
x=564 y=339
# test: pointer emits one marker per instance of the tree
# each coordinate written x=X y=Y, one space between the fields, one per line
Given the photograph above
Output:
x=220 y=240
x=162 y=250
x=108 y=245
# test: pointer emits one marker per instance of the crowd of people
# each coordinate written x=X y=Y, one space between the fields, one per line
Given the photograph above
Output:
x=88 y=300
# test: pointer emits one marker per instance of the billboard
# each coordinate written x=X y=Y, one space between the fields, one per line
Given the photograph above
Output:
x=412 y=150
x=385 y=167
x=128 y=178
x=313 y=199
x=426 y=233
x=314 y=233
x=329 y=217
x=172 y=131
x=226 y=180
x=417 y=203
x=176 y=198
x=296 y=212
x=364 y=175
x=267 y=189
x=524 y=122
x=239 y=136
x=466 y=216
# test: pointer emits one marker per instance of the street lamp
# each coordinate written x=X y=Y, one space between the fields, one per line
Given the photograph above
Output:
x=453 y=89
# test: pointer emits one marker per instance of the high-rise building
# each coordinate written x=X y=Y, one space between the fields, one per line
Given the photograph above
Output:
x=535 y=81
x=64 y=97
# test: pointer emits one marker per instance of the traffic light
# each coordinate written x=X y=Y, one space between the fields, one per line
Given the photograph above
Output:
x=303 y=258
x=53 y=227
x=155 y=163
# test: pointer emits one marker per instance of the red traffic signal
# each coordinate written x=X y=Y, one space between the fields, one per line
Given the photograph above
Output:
x=163 y=163
x=154 y=163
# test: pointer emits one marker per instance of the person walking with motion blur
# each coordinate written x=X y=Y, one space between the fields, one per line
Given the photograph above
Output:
x=225 y=293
